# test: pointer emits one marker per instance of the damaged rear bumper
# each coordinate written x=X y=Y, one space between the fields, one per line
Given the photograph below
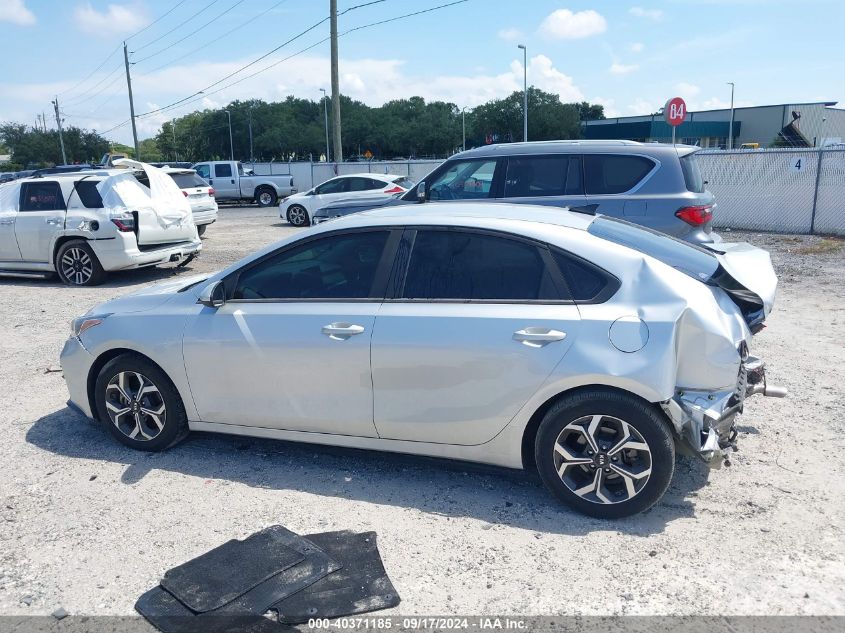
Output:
x=705 y=419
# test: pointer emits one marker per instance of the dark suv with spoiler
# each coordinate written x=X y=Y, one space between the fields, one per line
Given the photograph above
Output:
x=655 y=185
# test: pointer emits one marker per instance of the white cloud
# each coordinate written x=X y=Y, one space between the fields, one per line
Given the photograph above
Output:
x=510 y=35
x=637 y=47
x=563 y=24
x=610 y=110
x=642 y=107
x=649 y=14
x=687 y=90
x=623 y=69
x=15 y=11
x=117 y=18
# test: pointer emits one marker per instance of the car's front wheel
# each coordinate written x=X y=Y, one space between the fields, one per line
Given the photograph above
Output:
x=298 y=215
x=77 y=264
x=139 y=404
x=605 y=453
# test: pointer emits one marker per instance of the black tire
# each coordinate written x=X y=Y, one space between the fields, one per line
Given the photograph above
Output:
x=77 y=265
x=201 y=229
x=174 y=421
x=616 y=409
x=266 y=197
x=298 y=216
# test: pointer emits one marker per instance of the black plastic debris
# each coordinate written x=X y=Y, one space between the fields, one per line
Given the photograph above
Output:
x=361 y=585
x=235 y=586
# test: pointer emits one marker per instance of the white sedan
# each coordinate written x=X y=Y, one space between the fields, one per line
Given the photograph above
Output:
x=199 y=193
x=299 y=208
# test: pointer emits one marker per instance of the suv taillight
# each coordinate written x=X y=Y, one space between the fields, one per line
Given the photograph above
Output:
x=211 y=191
x=124 y=223
x=696 y=216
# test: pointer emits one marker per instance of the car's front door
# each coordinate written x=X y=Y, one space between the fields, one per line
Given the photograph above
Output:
x=224 y=181
x=40 y=219
x=290 y=348
x=328 y=192
x=479 y=323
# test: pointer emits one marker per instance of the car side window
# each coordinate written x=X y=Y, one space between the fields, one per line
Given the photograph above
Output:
x=586 y=283
x=335 y=185
x=333 y=268
x=361 y=184
x=204 y=171
x=464 y=265
x=464 y=180
x=536 y=176
x=223 y=170
x=41 y=196
x=88 y=194
x=613 y=173
x=373 y=184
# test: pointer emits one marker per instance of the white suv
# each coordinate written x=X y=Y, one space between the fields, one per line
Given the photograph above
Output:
x=80 y=225
x=199 y=193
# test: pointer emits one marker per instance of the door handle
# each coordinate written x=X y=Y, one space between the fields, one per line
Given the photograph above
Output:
x=7 y=221
x=53 y=221
x=341 y=331
x=538 y=336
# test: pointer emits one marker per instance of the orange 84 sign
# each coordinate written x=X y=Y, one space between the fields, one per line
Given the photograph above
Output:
x=675 y=111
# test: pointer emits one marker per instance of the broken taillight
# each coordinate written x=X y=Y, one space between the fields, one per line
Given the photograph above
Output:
x=696 y=216
x=125 y=223
x=184 y=193
x=211 y=191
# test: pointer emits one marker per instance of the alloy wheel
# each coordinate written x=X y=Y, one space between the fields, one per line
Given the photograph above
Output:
x=77 y=266
x=135 y=406
x=297 y=216
x=265 y=198
x=602 y=459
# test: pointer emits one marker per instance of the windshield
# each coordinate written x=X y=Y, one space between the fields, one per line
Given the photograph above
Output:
x=188 y=180
x=688 y=258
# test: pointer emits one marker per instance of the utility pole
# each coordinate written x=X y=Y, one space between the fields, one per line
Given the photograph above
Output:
x=231 y=145
x=731 y=126
x=59 y=124
x=338 y=147
x=173 y=129
x=251 y=157
x=326 y=116
x=464 y=128
x=44 y=120
x=131 y=102
x=524 y=92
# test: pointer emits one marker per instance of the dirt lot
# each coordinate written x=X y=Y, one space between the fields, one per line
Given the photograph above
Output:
x=88 y=525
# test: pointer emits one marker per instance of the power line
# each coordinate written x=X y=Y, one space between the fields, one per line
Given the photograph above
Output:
x=157 y=20
x=215 y=40
x=202 y=93
x=194 y=32
x=255 y=61
x=76 y=101
x=178 y=26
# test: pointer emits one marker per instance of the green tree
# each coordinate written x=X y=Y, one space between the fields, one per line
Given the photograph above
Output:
x=35 y=148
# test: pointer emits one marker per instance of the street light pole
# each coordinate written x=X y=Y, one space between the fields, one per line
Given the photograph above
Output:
x=326 y=116
x=731 y=125
x=524 y=92
x=464 y=128
x=231 y=145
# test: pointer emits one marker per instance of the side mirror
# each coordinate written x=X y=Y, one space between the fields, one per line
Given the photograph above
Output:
x=421 y=191
x=213 y=295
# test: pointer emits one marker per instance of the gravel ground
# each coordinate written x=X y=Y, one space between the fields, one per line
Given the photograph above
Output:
x=88 y=525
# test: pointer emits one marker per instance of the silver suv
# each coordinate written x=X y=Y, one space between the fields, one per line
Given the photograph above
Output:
x=655 y=185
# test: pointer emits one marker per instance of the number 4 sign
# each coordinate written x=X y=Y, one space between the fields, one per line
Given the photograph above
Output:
x=797 y=163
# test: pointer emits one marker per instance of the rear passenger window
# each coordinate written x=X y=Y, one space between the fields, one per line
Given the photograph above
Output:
x=224 y=170
x=530 y=176
x=609 y=173
x=41 y=196
x=88 y=194
x=462 y=266
x=692 y=174
x=585 y=282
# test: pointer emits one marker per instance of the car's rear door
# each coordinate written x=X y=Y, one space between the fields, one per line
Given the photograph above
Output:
x=613 y=183
x=9 y=200
x=555 y=179
x=290 y=348
x=40 y=220
x=477 y=324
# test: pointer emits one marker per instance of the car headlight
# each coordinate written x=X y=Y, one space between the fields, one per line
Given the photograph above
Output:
x=85 y=322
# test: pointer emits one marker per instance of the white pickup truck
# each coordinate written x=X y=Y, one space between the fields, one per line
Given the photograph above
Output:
x=232 y=182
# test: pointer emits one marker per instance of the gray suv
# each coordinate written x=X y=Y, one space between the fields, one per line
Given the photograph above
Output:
x=655 y=185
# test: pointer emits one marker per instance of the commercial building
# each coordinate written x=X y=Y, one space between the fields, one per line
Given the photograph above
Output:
x=813 y=124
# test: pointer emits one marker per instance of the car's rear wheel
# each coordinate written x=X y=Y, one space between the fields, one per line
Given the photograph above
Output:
x=139 y=404
x=605 y=453
x=266 y=197
x=201 y=230
x=298 y=215
x=77 y=265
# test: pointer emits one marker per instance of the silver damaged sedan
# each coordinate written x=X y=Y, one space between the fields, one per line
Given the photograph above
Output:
x=526 y=337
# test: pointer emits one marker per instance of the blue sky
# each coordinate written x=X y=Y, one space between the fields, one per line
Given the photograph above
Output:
x=630 y=56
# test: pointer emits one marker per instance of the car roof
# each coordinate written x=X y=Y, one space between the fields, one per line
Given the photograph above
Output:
x=368 y=174
x=178 y=170
x=575 y=146
x=448 y=212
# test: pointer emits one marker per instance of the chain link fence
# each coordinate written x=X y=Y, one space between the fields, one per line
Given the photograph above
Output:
x=307 y=175
x=779 y=190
